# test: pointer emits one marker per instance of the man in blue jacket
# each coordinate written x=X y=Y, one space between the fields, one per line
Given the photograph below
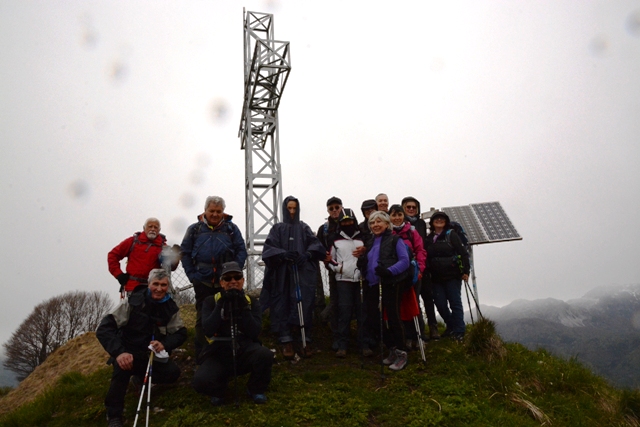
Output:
x=208 y=244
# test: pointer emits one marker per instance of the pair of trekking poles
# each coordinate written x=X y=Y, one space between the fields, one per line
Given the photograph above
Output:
x=381 y=311
x=146 y=384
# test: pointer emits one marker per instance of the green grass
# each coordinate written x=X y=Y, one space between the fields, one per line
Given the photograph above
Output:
x=462 y=384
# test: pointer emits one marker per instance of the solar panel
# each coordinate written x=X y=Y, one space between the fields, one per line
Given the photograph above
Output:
x=467 y=218
x=484 y=222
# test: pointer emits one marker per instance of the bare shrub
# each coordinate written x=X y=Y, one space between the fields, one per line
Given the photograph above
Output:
x=51 y=324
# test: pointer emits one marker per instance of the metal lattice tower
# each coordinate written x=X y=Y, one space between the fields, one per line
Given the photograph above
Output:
x=266 y=70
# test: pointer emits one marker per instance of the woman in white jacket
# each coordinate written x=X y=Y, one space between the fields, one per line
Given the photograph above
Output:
x=344 y=264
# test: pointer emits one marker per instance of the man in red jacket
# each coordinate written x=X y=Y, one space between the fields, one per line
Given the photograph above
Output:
x=143 y=251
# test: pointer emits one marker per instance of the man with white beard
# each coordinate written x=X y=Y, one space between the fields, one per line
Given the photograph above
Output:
x=143 y=252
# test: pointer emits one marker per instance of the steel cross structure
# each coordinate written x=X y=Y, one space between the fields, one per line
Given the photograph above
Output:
x=266 y=70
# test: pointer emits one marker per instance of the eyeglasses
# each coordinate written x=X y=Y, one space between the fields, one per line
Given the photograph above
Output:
x=236 y=277
x=334 y=208
x=410 y=207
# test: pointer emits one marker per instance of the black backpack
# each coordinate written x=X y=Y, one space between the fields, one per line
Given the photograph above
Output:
x=459 y=229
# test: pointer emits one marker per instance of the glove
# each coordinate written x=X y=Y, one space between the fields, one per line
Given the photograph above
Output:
x=240 y=299
x=291 y=256
x=302 y=258
x=234 y=298
x=383 y=272
x=123 y=278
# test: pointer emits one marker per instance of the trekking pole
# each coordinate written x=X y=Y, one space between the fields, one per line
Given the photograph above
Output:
x=381 y=330
x=149 y=387
x=420 y=342
x=144 y=385
x=469 y=304
x=296 y=279
x=360 y=327
x=233 y=353
x=474 y=300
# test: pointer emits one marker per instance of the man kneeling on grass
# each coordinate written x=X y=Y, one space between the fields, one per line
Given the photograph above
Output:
x=232 y=322
x=149 y=318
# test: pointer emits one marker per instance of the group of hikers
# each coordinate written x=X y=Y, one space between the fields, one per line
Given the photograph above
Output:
x=378 y=270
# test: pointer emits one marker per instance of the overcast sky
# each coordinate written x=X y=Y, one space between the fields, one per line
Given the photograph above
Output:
x=112 y=112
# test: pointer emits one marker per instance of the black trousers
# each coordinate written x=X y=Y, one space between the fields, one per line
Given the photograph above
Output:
x=161 y=373
x=213 y=375
x=393 y=328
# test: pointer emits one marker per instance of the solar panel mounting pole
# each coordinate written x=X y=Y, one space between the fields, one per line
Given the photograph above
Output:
x=266 y=70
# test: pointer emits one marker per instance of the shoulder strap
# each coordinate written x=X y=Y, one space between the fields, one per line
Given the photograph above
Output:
x=136 y=241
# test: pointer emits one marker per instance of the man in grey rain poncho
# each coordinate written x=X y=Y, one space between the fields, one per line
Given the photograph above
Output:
x=290 y=247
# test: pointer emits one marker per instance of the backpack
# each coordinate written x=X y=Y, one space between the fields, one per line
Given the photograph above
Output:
x=457 y=259
x=413 y=263
x=459 y=229
x=136 y=241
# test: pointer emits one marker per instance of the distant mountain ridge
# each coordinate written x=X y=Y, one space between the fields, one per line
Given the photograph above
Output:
x=601 y=329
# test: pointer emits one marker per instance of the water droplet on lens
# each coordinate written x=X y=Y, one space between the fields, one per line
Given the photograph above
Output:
x=179 y=225
x=599 y=45
x=187 y=200
x=197 y=177
x=219 y=111
x=79 y=189
x=633 y=23
x=117 y=71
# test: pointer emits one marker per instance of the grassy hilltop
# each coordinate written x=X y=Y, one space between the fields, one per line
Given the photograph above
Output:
x=480 y=382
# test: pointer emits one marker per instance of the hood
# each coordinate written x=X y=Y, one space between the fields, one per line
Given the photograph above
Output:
x=447 y=221
x=286 y=218
x=413 y=199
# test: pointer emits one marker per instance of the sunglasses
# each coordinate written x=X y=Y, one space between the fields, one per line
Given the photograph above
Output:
x=334 y=208
x=410 y=207
x=230 y=277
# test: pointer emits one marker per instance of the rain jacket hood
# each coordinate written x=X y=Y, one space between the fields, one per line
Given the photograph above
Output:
x=286 y=218
x=412 y=199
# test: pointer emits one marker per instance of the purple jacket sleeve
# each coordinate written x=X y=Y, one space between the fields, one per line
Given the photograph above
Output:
x=403 y=259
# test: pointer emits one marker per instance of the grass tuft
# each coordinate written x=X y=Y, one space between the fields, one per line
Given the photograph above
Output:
x=483 y=340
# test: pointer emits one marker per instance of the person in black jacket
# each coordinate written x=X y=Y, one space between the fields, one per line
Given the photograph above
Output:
x=232 y=308
x=448 y=265
x=148 y=318
x=291 y=254
x=411 y=207
x=326 y=234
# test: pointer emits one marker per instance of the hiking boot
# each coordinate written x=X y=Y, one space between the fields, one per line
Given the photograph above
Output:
x=258 y=398
x=391 y=358
x=287 y=351
x=401 y=361
x=367 y=352
x=306 y=351
x=217 y=401
x=115 y=422
x=341 y=353
x=447 y=333
x=433 y=332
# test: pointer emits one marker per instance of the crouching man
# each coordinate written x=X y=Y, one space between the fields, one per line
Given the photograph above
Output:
x=232 y=318
x=149 y=317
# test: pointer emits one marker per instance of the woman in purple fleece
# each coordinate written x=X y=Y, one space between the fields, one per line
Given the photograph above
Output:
x=385 y=264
